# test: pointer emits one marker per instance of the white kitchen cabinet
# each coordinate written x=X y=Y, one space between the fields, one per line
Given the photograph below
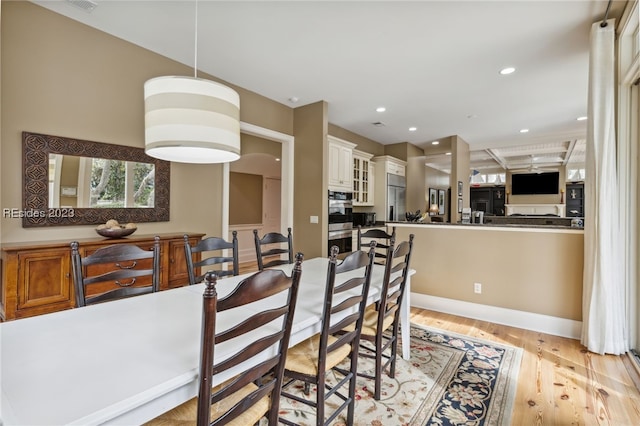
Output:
x=394 y=166
x=363 y=179
x=340 y=164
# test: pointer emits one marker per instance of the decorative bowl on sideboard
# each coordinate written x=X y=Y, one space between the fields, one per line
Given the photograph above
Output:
x=115 y=232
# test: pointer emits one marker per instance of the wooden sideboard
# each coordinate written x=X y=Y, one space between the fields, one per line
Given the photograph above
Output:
x=37 y=277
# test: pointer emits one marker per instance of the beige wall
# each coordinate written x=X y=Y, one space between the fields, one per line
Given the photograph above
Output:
x=530 y=270
x=416 y=174
x=1 y=109
x=245 y=198
x=460 y=164
x=438 y=180
x=250 y=144
x=62 y=78
x=363 y=144
x=397 y=150
x=310 y=179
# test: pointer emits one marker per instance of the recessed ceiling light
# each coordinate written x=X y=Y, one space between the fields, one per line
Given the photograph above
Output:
x=413 y=129
x=381 y=109
x=448 y=153
x=506 y=71
x=581 y=118
x=293 y=99
x=435 y=142
x=524 y=131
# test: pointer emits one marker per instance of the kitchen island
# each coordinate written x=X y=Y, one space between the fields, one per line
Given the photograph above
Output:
x=529 y=276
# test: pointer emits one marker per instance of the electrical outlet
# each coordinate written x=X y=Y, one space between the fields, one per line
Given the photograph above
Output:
x=313 y=219
x=477 y=288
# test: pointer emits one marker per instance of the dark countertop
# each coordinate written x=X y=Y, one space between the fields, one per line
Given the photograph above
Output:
x=490 y=225
x=377 y=225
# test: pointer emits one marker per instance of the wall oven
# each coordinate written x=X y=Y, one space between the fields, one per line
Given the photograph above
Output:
x=340 y=220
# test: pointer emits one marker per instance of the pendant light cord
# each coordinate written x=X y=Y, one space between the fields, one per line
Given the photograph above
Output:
x=195 y=47
x=606 y=15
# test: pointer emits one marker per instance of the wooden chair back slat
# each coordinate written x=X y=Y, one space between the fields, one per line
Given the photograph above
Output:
x=248 y=352
x=268 y=374
x=207 y=246
x=123 y=265
x=344 y=304
x=265 y=248
x=383 y=241
x=396 y=264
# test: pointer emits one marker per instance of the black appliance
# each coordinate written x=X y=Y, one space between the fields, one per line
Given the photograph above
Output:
x=535 y=183
x=364 y=219
x=340 y=220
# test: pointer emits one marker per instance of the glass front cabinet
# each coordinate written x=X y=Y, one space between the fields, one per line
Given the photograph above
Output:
x=362 y=179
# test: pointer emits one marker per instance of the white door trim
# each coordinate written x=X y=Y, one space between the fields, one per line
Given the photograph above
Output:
x=286 y=204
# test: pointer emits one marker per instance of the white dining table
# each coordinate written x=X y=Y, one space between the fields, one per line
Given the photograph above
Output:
x=127 y=361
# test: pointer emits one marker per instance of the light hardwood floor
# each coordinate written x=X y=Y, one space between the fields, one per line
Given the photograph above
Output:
x=560 y=382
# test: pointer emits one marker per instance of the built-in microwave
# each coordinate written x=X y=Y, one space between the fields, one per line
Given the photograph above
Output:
x=340 y=210
x=364 y=219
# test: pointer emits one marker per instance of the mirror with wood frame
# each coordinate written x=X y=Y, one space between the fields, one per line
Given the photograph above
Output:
x=76 y=182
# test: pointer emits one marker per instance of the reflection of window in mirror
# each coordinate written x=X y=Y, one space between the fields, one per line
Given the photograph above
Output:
x=55 y=169
x=116 y=183
x=101 y=183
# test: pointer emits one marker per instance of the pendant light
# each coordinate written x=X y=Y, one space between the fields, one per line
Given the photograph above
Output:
x=190 y=119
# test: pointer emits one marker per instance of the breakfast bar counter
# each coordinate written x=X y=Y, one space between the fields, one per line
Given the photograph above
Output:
x=522 y=271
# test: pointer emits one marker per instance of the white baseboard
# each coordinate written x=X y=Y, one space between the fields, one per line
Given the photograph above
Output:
x=247 y=255
x=247 y=251
x=529 y=321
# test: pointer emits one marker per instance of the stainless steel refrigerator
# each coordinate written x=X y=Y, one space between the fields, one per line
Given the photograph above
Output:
x=396 y=196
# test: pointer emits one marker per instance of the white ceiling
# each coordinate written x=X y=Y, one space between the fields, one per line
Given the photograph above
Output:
x=432 y=64
x=541 y=157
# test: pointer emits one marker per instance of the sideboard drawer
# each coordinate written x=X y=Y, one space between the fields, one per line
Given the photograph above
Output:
x=36 y=277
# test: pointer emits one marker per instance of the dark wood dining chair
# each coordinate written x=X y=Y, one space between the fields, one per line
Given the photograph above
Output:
x=115 y=272
x=382 y=239
x=213 y=246
x=254 y=392
x=382 y=320
x=270 y=245
x=311 y=360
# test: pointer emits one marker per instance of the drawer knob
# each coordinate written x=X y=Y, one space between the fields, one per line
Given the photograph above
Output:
x=133 y=265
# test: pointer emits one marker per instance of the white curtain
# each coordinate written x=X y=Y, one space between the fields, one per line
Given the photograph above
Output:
x=603 y=306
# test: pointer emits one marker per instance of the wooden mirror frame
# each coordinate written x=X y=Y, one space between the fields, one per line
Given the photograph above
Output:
x=35 y=194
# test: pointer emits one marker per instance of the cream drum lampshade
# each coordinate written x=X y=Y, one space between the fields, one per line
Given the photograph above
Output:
x=191 y=120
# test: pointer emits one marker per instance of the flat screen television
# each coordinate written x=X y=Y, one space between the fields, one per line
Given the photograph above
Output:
x=535 y=183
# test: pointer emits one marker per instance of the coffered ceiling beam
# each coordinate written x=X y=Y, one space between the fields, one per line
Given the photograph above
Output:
x=501 y=162
x=567 y=154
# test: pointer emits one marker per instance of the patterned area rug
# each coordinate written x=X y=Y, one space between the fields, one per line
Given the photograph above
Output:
x=450 y=380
